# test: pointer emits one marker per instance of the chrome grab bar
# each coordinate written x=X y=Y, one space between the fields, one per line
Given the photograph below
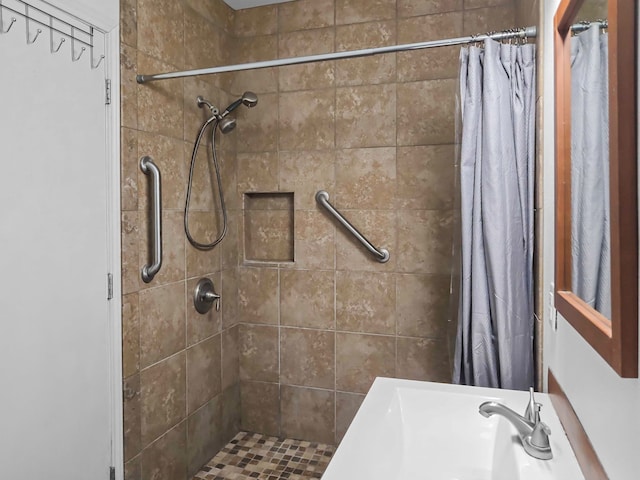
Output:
x=382 y=254
x=149 y=168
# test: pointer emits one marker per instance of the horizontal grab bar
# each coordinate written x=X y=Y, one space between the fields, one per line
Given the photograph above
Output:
x=382 y=254
x=149 y=168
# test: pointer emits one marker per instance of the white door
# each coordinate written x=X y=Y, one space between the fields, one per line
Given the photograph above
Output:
x=54 y=330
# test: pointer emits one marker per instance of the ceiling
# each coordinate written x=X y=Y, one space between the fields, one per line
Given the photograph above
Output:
x=240 y=4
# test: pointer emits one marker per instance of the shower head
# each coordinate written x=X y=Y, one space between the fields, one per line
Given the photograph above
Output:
x=249 y=99
x=226 y=124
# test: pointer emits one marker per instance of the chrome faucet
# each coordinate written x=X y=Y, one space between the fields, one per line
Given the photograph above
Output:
x=533 y=433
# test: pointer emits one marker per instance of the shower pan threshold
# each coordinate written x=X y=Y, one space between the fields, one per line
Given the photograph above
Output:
x=251 y=456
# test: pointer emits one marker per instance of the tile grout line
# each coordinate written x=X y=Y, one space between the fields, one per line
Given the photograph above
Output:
x=278 y=269
x=335 y=183
x=396 y=221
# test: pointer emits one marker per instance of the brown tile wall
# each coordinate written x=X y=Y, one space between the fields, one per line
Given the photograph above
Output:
x=528 y=12
x=377 y=133
x=297 y=344
x=181 y=368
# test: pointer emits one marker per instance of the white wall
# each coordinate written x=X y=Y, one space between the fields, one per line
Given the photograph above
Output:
x=101 y=13
x=608 y=406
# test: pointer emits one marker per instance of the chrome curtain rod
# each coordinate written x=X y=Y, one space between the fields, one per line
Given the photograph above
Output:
x=518 y=33
x=522 y=33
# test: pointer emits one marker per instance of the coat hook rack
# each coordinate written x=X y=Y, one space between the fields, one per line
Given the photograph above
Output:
x=61 y=29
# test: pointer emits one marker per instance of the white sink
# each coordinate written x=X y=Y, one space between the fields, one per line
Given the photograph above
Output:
x=407 y=430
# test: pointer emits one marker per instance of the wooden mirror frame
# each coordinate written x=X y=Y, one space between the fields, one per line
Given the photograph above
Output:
x=615 y=339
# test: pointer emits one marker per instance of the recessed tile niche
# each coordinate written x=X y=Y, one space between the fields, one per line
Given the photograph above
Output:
x=268 y=227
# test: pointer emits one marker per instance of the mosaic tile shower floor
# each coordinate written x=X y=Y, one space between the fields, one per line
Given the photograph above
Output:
x=252 y=456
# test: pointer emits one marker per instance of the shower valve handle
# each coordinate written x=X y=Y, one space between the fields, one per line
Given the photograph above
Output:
x=205 y=296
x=211 y=297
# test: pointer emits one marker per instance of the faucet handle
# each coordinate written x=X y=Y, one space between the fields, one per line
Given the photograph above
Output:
x=540 y=435
x=530 y=406
x=532 y=413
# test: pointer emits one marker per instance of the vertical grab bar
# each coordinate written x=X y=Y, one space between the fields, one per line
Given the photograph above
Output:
x=381 y=255
x=149 y=168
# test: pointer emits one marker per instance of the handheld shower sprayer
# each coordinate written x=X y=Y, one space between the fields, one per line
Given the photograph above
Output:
x=249 y=99
x=226 y=124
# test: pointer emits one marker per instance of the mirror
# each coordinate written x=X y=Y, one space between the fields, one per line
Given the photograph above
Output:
x=596 y=177
x=590 y=209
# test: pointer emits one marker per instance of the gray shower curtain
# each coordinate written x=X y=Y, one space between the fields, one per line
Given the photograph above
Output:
x=494 y=344
x=590 y=212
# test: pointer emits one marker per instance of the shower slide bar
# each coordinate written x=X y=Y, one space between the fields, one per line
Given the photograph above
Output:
x=521 y=33
x=149 y=168
x=382 y=254
x=88 y=34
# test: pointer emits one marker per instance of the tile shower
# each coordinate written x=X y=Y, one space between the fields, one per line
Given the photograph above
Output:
x=308 y=319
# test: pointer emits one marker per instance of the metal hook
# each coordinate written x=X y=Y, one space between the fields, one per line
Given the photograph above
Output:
x=55 y=50
x=488 y=36
x=62 y=40
x=509 y=32
x=604 y=25
x=73 y=46
x=99 y=62
x=2 y=30
x=475 y=40
x=26 y=25
x=13 y=20
x=29 y=40
x=73 y=56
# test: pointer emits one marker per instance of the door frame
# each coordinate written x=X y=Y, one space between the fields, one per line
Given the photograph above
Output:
x=112 y=70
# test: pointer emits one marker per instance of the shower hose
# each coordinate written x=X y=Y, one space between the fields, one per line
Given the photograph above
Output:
x=192 y=241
